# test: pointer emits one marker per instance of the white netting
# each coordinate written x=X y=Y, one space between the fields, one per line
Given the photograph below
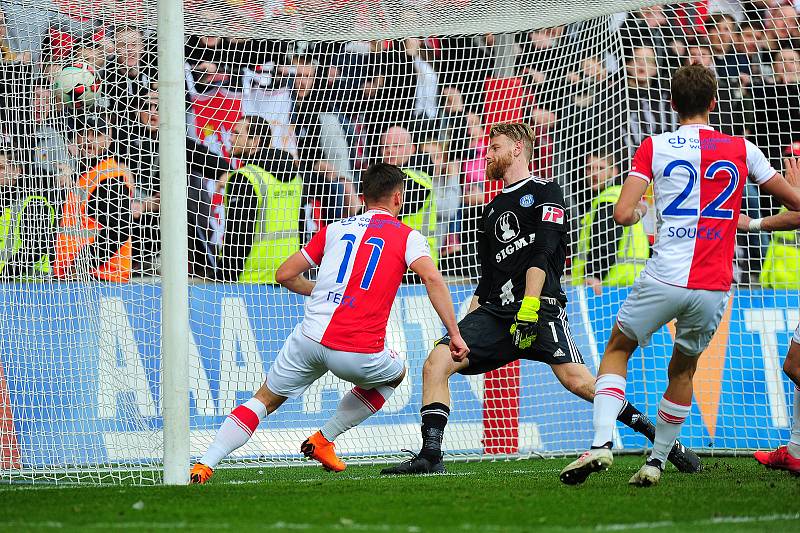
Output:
x=311 y=94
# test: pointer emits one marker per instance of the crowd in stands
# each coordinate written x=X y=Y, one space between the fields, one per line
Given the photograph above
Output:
x=279 y=132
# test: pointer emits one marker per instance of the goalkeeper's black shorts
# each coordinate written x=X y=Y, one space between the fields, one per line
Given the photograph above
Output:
x=491 y=345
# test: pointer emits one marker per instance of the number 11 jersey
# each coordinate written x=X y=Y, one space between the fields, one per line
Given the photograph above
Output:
x=698 y=176
x=361 y=262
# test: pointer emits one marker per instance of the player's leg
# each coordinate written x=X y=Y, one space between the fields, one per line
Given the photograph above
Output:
x=609 y=400
x=295 y=368
x=788 y=457
x=577 y=379
x=487 y=336
x=376 y=377
x=235 y=431
x=632 y=329
x=698 y=318
x=436 y=372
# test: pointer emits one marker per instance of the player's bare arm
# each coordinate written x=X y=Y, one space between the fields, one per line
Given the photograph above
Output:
x=630 y=208
x=442 y=302
x=788 y=220
x=290 y=274
x=785 y=189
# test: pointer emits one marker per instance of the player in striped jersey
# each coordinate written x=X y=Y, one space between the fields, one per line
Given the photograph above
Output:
x=785 y=457
x=361 y=260
x=519 y=307
x=698 y=175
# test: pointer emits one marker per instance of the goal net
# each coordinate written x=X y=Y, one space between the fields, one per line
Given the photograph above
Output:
x=287 y=102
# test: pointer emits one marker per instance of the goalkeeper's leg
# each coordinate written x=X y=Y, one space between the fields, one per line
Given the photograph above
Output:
x=436 y=372
x=579 y=380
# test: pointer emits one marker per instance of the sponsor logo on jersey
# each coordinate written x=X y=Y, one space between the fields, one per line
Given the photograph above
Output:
x=506 y=228
x=677 y=141
x=526 y=201
x=552 y=213
x=701 y=232
x=519 y=244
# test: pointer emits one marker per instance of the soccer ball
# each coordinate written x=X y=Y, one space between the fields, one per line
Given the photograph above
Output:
x=76 y=86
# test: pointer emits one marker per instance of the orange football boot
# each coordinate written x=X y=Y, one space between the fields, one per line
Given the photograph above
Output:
x=321 y=449
x=199 y=474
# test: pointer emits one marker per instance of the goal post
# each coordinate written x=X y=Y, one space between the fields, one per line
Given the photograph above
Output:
x=133 y=322
x=174 y=237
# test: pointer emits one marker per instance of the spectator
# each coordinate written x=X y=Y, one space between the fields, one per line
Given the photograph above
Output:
x=127 y=81
x=94 y=239
x=730 y=64
x=323 y=151
x=649 y=112
x=427 y=93
x=447 y=191
x=608 y=254
x=51 y=159
x=138 y=149
x=419 y=204
x=781 y=268
x=263 y=204
x=652 y=25
x=776 y=113
x=27 y=224
x=24 y=26
x=782 y=26
x=453 y=124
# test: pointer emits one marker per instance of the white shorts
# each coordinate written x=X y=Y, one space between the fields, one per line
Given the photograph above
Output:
x=652 y=303
x=796 y=336
x=302 y=361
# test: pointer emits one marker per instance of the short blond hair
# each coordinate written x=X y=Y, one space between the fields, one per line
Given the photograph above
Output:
x=516 y=131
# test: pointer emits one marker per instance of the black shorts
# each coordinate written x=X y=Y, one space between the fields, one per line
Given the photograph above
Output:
x=491 y=345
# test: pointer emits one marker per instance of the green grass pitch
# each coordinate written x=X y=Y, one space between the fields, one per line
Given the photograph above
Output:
x=732 y=494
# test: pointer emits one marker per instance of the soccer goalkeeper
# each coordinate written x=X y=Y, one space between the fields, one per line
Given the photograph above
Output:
x=518 y=311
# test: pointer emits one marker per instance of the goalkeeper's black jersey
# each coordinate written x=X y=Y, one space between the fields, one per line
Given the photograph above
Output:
x=522 y=227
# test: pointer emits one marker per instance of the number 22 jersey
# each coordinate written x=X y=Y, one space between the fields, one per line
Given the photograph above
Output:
x=698 y=175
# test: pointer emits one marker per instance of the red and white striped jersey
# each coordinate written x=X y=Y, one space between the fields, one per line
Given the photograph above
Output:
x=698 y=175
x=361 y=262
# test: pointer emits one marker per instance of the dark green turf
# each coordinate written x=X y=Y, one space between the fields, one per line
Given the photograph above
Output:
x=515 y=496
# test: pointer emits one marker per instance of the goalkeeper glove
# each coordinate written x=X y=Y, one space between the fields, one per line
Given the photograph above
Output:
x=526 y=323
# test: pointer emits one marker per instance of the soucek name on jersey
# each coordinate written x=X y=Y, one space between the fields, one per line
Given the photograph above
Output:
x=522 y=227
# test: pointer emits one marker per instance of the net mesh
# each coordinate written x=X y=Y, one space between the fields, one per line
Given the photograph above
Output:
x=286 y=100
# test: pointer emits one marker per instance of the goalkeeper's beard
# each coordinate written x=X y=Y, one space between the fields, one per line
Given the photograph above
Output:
x=496 y=170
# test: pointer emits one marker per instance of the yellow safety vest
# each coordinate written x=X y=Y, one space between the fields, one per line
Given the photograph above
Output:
x=276 y=230
x=633 y=248
x=11 y=224
x=424 y=220
x=781 y=269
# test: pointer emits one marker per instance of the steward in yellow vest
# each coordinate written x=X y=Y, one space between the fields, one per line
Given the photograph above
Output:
x=27 y=228
x=612 y=253
x=261 y=224
x=419 y=207
x=781 y=269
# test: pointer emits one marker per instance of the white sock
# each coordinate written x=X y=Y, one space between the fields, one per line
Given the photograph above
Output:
x=609 y=397
x=235 y=431
x=670 y=419
x=794 y=441
x=355 y=407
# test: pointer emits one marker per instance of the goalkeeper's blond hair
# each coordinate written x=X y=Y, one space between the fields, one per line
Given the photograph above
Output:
x=516 y=131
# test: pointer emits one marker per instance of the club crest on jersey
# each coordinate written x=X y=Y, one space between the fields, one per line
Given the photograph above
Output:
x=506 y=228
x=526 y=201
x=552 y=213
